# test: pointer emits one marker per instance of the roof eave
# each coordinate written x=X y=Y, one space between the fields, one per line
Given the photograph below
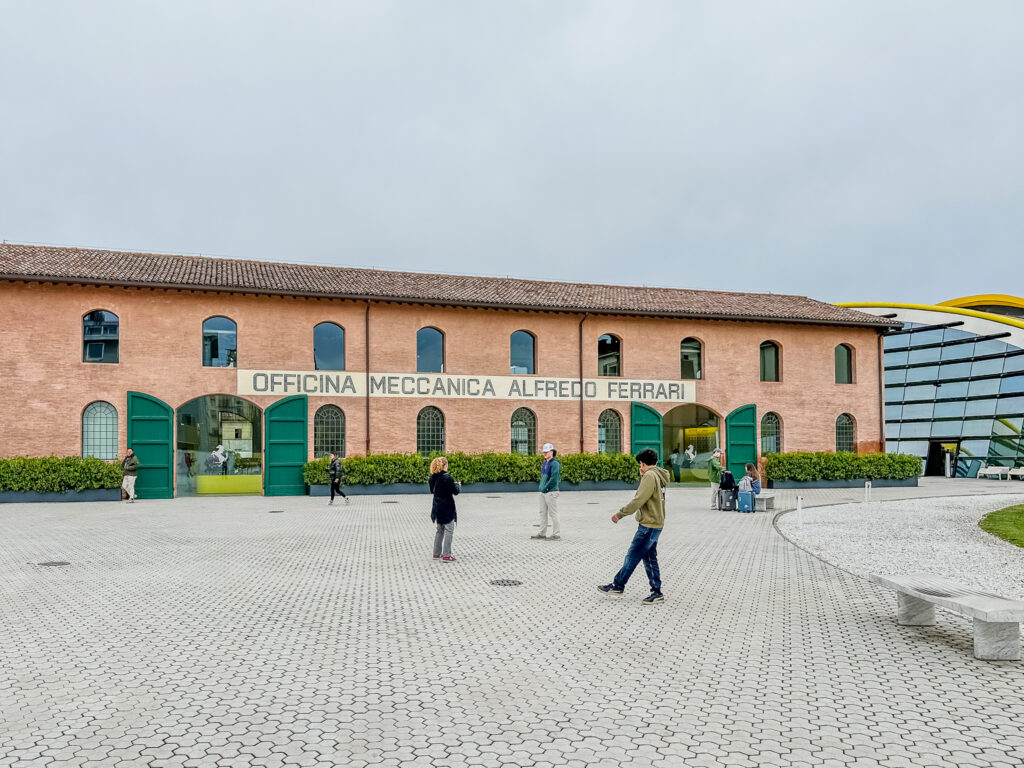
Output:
x=879 y=324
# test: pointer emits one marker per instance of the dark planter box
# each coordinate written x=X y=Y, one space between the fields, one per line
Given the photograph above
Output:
x=910 y=482
x=531 y=487
x=92 y=494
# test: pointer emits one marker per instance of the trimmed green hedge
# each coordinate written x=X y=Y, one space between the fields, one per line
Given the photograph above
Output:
x=841 y=466
x=478 y=468
x=58 y=474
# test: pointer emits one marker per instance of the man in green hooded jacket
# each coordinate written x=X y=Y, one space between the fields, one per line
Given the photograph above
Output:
x=649 y=505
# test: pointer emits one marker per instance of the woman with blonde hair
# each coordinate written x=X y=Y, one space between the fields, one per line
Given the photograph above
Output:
x=442 y=511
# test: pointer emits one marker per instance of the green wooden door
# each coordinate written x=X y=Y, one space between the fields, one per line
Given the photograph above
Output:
x=286 y=429
x=645 y=430
x=151 y=436
x=741 y=439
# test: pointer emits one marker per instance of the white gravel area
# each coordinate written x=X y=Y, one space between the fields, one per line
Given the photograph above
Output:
x=939 y=536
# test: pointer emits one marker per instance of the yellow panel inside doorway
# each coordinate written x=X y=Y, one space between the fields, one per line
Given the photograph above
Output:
x=221 y=484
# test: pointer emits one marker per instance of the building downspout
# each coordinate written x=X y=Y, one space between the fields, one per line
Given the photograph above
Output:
x=367 y=342
x=881 y=393
x=585 y=314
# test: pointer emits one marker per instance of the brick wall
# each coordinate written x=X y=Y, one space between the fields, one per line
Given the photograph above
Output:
x=46 y=386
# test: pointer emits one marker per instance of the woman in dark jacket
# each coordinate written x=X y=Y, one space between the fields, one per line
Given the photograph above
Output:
x=442 y=512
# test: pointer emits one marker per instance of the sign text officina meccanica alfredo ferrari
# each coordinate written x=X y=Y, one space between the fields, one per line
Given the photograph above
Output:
x=441 y=385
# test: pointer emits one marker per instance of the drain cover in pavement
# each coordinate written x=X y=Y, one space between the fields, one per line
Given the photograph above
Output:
x=55 y=562
x=389 y=502
x=276 y=511
x=593 y=502
x=506 y=583
x=494 y=497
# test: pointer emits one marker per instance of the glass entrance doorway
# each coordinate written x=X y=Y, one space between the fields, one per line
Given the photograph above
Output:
x=219 y=447
x=690 y=434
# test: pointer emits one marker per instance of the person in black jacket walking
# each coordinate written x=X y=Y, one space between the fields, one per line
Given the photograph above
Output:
x=334 y=470
x=442 y=511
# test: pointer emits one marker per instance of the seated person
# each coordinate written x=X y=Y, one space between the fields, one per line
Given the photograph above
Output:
x=750 y=481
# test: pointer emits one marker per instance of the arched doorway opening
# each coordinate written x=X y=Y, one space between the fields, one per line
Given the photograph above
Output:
x=219 y=447
x=691 y=433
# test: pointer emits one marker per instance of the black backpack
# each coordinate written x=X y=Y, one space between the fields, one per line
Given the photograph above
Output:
x=727 y=483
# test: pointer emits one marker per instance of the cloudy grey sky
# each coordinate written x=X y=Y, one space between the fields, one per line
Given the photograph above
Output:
x=844 y=150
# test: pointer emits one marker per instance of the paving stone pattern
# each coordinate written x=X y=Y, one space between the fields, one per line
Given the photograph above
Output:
x=211 y=633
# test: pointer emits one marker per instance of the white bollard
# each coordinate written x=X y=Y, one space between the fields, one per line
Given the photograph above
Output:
x=800 y=511
x=867 y=490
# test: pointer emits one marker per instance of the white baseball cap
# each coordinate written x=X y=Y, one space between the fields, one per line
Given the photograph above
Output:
x=547 y=447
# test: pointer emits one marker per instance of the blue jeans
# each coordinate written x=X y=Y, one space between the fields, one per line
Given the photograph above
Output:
x=644 y=547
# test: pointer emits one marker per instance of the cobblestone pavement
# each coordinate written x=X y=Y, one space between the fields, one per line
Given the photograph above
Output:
x=214 y=633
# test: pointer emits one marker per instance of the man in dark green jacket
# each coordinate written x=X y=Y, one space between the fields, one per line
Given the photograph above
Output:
x=715 y=474
x=550 y=476
x=130 y=467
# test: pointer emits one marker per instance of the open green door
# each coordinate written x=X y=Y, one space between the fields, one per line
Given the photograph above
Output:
x=286 y=428
x=741 y=439
x=151 y=436
x=645 y=430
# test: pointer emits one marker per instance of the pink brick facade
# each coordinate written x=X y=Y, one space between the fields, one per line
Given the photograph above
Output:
x=47 y=386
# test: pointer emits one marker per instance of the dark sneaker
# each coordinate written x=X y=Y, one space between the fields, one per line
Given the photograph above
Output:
x=538 y=536
x=654 y=597
x=610 y=589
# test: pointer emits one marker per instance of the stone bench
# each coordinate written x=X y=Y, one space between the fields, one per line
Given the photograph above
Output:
x=764 y=501
x=996 y=619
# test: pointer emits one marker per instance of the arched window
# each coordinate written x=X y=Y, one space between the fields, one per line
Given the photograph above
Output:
x=328 y=347
x=689 y=358
x=844 y=364
x=609 y=355
x=522 y=353
x=769 y=361
x=429 y=351
x=220 y=343
x=609 y=432
x=99 y=337
x=329 y=431
x=845 y=440
x=524 y=431
x=771 y=433
x=430 y=431
x=99 y=431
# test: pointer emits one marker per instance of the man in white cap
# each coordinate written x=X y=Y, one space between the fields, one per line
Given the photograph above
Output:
x=550 y=474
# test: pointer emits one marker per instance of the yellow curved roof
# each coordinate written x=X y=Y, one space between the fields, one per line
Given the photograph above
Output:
x=989 y=299
x=1006 y=319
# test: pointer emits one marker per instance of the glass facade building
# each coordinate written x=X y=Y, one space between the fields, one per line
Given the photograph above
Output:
x=954 y=387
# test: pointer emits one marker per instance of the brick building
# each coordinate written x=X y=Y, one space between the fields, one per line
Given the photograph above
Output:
x=275 y=363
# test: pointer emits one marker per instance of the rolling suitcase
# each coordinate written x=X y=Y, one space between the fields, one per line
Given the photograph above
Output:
x=727 y=500
x=745 y=501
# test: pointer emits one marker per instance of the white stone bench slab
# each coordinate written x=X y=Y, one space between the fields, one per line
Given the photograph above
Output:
x=996 y=619
x=764 y=501
x=996 y=472
x=1017 y=473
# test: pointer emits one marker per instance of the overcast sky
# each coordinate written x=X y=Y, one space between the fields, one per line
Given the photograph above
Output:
x=843 y=150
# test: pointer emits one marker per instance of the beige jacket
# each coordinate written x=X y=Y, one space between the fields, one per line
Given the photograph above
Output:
x=649 y=499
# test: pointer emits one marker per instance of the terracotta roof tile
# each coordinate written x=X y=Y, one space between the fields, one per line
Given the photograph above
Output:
x=78 y=265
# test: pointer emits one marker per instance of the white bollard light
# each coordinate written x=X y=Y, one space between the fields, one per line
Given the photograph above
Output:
x=800 y=511
x=867 y=490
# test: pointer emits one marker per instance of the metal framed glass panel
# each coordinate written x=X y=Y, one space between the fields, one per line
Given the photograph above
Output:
x=524 y=431
x=429 y=351
x=924 y=373
x=898 y=357
x=522 y=353
x=1011 y=385
x=958 y=351
x=917 y=411
x=985 y=407
x=926 y=355
x=908 y=429
x=220 y=343
x=771 y=433
x=992 y=365
x=844 y=433
x=954 y=371
x=954 y=409
x=328 y=347
x=689 y=359
x=430 y=431
x=100 y=335
x=99 y=431
x=329 y=431
x=609 y=432
x=980 y=387
x=949 y=428
x=609 y=355
x=769 y=361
